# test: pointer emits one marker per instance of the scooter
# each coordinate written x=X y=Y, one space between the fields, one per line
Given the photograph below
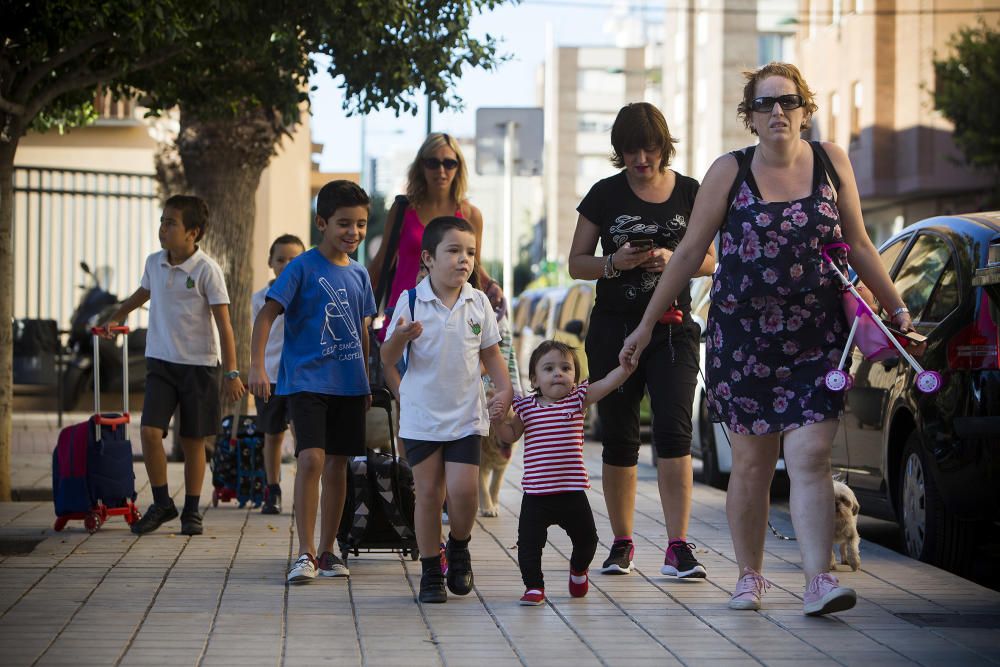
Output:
x=96 y=305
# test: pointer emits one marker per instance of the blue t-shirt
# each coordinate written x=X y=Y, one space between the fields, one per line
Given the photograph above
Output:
x=325 y=306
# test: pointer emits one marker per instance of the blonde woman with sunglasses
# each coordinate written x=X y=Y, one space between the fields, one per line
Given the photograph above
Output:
x=776 y=324
x=436 y=186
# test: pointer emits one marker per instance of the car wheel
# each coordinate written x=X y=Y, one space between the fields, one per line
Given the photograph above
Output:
x=930 y=533
x=710 y=473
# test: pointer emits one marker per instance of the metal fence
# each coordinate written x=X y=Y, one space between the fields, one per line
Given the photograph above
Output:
x=65 y=216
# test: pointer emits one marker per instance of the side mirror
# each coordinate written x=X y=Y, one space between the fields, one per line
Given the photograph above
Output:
x=575 y=327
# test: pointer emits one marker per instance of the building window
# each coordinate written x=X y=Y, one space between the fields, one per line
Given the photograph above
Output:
x=857 y=94
x=773 y=47
x=831 y=130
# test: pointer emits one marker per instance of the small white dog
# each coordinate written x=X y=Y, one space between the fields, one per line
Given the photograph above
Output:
x=845 y=527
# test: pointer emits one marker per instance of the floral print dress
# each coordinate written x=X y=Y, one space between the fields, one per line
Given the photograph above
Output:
x=776 y=324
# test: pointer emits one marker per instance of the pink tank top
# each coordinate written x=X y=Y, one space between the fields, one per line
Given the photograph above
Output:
x=410 y=238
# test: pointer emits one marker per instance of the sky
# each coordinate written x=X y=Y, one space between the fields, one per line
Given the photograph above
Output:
x=520 y=30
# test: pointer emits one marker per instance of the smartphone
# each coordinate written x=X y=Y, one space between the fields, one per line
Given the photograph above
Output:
x=641 y=244
x=912 y=337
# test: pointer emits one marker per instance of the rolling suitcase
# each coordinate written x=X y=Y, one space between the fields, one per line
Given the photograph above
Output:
x=92 y=474
x=238 y=462
x=378 y=508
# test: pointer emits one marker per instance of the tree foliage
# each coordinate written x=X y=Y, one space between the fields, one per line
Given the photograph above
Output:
x=966 y=90
x=239 y=69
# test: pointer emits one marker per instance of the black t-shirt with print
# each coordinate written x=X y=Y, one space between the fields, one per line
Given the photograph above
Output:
x=623 y=217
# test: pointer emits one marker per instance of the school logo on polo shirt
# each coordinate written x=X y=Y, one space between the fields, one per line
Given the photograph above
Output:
x=476 y=328
x=190 y=282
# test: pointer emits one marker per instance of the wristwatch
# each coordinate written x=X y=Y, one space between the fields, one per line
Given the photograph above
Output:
x=232 y=375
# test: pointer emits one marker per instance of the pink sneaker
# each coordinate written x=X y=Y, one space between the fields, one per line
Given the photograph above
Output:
x=578 y=590
x=825 y=595
x=749 y=589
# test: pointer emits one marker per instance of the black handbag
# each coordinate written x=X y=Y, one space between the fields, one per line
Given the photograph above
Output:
x=391 y=257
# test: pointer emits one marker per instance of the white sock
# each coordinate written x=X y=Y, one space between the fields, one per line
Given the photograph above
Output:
x=532 y=590
x=577 y=578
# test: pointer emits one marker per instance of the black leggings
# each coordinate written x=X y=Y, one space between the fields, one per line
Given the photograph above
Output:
x=571 y=512
x=668 y=368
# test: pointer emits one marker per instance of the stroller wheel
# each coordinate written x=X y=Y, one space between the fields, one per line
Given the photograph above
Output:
x=929 y=382
x=836 y=380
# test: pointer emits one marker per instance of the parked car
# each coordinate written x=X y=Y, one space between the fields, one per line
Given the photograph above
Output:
x=932 y=461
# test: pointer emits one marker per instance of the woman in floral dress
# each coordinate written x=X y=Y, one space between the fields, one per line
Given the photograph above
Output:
x=776 y=324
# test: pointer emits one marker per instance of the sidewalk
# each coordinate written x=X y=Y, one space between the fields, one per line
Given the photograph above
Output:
x=112 y=598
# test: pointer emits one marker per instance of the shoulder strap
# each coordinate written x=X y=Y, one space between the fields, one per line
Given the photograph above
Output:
x=744 y=158
x=391 y=252
x=411 y=294
x=824 y=157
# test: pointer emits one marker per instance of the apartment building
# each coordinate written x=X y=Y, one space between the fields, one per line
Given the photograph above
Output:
x=870 y=63
x=583 y=89
x=711 y=44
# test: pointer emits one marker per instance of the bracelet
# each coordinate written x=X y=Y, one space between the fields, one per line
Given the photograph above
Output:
x=609 y=267
x=899 y=311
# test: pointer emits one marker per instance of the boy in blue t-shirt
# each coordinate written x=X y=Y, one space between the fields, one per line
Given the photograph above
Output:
x=327 y=301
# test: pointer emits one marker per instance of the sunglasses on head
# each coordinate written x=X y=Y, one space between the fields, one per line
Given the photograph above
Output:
x=435 y=164
x=787 y=102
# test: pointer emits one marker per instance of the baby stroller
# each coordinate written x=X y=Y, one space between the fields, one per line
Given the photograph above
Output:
x=871 y=335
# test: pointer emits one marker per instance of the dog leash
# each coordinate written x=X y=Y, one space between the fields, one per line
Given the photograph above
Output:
x=774 y=531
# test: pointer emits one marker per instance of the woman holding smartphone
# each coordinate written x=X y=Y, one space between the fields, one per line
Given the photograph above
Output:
x=639 y=216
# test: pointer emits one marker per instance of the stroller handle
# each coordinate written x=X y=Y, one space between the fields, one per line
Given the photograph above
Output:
x=833 y=246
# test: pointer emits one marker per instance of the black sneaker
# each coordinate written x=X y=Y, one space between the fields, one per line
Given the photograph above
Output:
x=191 y=523
x=432 y=587
x=680 y=562
x=460 y=579
x=272 y=505
x=155 y=516
x=620 y=559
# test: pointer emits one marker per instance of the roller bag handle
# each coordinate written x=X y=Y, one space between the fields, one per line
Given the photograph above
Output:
x=110 y=420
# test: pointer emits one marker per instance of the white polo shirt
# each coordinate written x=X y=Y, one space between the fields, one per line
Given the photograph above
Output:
x=441 y=395
x=275 y=340
x=181 y=327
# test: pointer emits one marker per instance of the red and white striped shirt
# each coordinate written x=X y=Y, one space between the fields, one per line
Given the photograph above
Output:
x=553 y=443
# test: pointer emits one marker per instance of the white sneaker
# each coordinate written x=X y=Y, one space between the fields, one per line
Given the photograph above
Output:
x=302 y=570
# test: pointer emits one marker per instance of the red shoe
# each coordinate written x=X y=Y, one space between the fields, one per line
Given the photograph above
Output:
x=533 y=597
x=578 y=590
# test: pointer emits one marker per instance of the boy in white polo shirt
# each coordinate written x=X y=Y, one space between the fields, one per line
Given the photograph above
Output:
x=272 y=414
x=187 y=291
x=450 y=330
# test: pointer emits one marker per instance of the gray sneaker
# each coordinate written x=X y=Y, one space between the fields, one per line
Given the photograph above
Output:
x=332 y=566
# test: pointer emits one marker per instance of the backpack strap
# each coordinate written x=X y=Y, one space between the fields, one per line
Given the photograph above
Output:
x=744 y=158
x=411 y=294
x=391 y=252
x=831 y=173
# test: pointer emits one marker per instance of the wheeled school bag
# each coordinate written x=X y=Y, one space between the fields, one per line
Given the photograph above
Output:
x=92 y=474
x=378 y=508
x=238 y=462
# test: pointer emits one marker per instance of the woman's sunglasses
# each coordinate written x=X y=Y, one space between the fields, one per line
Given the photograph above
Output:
x=787 y=102
x=434 y=164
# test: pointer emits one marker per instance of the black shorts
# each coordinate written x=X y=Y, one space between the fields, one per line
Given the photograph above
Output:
x=463 y=450
x=194 y=388
x=668 y=369
x=335 y=424
x=272 y=414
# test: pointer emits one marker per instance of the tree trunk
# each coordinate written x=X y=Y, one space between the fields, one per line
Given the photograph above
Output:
x=222 y=163
x=8 y=147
